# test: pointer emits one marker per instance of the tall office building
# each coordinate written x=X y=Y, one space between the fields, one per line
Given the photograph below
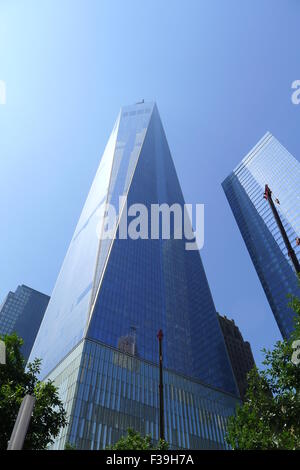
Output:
x=22 y=312
x=269 y=163
x=239 y=352
x=98 y=337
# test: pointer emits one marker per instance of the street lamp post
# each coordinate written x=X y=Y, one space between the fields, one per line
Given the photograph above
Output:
x=22 y=422
x=2 y=352
x=161 y=388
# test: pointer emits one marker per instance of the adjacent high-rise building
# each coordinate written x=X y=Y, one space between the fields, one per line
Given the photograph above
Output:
x=22 y=312
x=239 y=351
x=269 y=163
x=98 y=339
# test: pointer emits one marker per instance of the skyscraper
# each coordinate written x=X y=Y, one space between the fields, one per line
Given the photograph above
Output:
x=239 y=352
x=98 y=338
x=269 y=163
x=22 y=312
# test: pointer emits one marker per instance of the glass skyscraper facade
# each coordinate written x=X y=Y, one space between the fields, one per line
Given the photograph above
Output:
x=22 y=312
x=269 y=163
x=98 y=336
x=106 y=391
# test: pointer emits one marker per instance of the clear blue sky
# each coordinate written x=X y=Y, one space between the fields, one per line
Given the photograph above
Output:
x=220 y=72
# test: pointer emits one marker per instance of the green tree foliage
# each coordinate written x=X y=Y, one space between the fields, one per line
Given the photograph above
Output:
x=70 y=446
x=270 y=416
x=49 y=415
x=134 y=441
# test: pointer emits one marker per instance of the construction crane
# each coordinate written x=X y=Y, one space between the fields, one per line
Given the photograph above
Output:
x=291 y=252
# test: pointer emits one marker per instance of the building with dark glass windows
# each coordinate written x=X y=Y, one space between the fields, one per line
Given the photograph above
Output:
x=269 y=163
x=98 y=337
x=22 y=312
x=239 y=352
